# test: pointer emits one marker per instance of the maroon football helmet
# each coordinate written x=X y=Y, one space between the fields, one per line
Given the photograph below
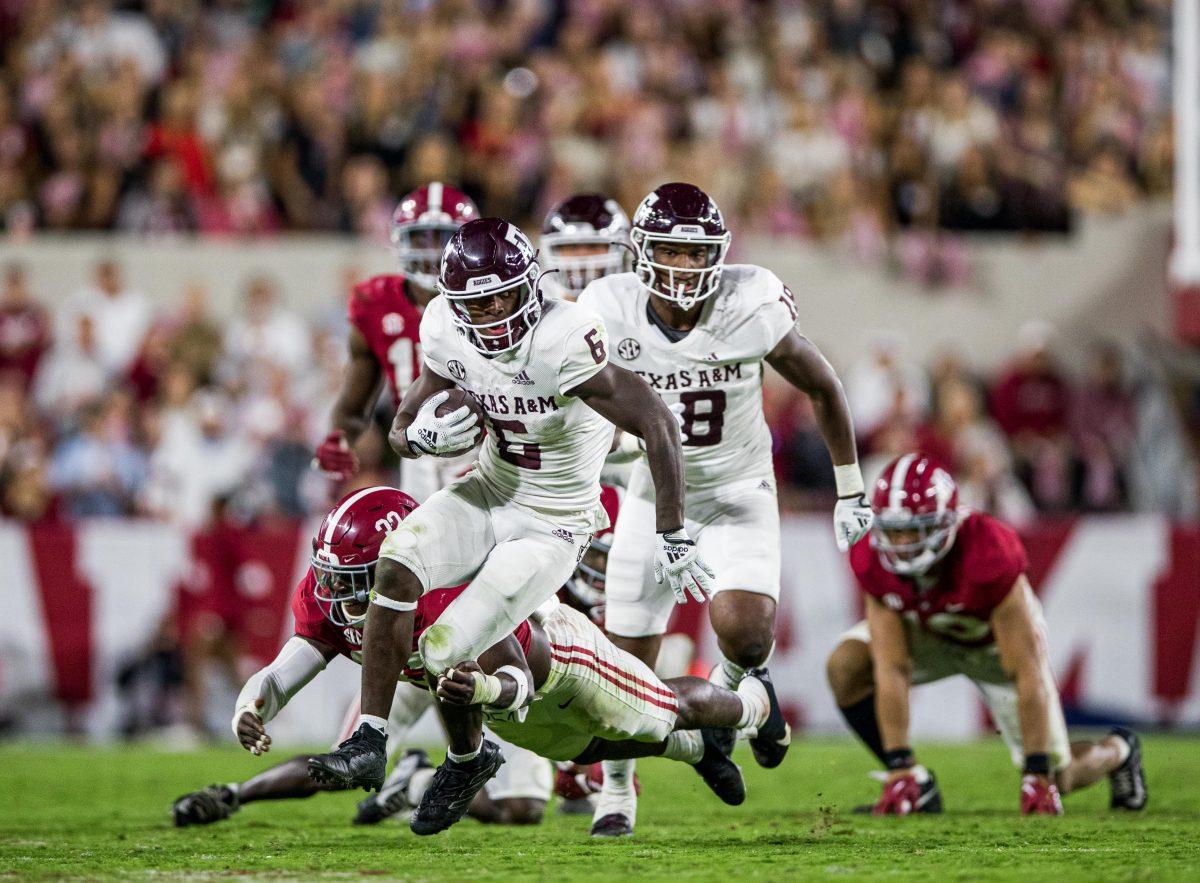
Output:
x=346 y=548
x=682 y=214
x=486 y=262
x=423 y=223
x=916 y=514
x=585 y=237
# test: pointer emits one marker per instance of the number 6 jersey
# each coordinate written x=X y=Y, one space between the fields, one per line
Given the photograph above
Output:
x=715 y=371
x=544 y=449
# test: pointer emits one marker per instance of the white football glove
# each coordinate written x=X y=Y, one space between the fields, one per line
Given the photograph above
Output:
x=442 y=436
x=677 y=560
x=852 y=518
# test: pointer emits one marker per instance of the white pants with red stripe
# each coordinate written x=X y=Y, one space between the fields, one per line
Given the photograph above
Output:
x=595 y=690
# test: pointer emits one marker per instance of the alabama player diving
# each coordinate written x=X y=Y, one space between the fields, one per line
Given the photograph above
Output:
x=517 y=523
x=947 y=594
x=698 y=331
x=607 y=694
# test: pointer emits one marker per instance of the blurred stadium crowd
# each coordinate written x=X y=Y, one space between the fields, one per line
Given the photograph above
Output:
x=875 y=125
x=111 y=407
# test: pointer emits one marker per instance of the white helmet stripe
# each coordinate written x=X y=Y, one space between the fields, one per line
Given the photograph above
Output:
x=345 y=507
x=899 y=476
x=435 y=196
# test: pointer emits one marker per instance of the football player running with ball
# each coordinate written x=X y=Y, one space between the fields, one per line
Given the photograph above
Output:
x=947 y=594
x=516 y=525
x=699 y=331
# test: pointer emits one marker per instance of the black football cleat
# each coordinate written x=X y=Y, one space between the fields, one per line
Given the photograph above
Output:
x=359 y=762
x=615 y=824
x=1128 y=781
x=770 y=743
x=452 y=789
x=212 y=804
x=394 y=796
x=929 y=801
x=720 y=773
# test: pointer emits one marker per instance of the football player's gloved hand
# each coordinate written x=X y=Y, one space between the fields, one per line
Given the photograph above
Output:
x=852 y=518
x=442 y=436
x=249 y=729
x=900 y=795
x=678 y=562
x=335 y=457
x=1039 y=796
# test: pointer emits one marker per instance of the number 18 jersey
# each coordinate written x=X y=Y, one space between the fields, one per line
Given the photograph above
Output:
x=715 y=371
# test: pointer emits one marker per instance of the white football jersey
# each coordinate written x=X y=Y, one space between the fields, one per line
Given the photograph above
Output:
x=543 y=449
x=715 y=370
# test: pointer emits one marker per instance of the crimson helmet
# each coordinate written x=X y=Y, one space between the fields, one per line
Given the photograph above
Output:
x=682 y=214
x=346 y=548
x=484 y=260
x=587 y=584
x=584 y=237
x=916 y=497
x=423 y=223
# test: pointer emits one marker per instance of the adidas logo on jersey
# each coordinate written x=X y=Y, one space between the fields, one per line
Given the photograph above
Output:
x=560 y=532
x=523 y=378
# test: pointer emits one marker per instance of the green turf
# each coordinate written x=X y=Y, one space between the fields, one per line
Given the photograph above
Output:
x=71 y=812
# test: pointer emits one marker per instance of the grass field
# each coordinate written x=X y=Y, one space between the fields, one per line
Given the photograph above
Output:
x=78 y=813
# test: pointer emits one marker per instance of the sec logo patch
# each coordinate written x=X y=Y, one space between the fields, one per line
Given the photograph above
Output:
x=629 y=349
x=457 y=369
x=393 y=324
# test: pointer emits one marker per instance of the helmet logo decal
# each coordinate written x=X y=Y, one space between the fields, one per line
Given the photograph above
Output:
x=629 y=349
x=457 y=369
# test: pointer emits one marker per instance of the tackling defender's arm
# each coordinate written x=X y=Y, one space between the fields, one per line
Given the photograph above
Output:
x=803 y=366
x=625 y=400
x=893 y=674
x=1022 y=656
x=497 y=678
x=268 y=690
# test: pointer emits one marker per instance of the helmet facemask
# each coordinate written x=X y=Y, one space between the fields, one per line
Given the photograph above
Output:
x=589 y=580
x=342 y=584
x=492 y=337
x=683 y=286
x=924 y=542
x=419 y=247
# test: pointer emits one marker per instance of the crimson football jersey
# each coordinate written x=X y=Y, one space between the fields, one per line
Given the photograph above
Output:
x=390 y=322
x=347 y=640
x=969 y=583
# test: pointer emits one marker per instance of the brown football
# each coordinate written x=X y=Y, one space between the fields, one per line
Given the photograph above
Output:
x=457 y=398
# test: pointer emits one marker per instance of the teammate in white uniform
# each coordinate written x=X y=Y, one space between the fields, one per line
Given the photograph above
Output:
x=518 y=522
x=698 y=332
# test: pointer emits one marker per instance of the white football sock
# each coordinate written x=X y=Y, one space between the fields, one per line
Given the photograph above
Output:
x=756 y=705
x=1123 y=749
x=379 y=723
x=618 y=777
x=463 y=758
x=685 y=745
x=727 y=674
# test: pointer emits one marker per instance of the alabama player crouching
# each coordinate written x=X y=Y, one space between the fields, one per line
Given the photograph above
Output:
x=328 y=607
x=946 y=594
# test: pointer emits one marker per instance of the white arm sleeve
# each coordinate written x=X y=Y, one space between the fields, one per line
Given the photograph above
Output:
x=298 y=663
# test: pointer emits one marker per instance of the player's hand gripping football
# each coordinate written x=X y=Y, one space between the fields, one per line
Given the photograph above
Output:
x=249 y=729
x=677 y=560
x=335 y=457
x=852 y=518
x=901 y=791
x=1039 y=796
x=442 y=436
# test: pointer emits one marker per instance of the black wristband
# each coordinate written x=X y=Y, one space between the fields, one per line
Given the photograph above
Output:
x=1037 y=764
x=899 y=759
